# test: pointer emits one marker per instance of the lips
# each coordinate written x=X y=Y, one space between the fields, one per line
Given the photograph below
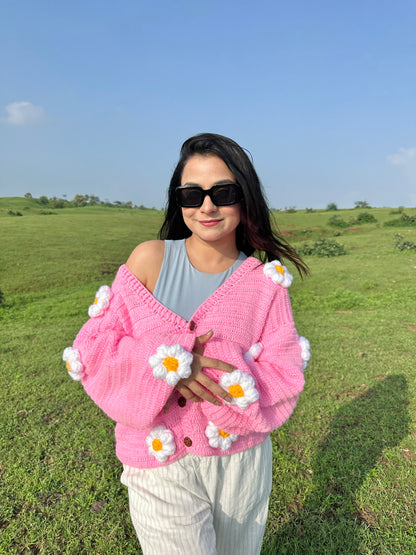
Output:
x=209 y=223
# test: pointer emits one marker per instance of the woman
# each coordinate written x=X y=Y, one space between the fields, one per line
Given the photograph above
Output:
x=194 y=353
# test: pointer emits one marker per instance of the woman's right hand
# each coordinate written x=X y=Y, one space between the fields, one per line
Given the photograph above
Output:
x=199 y=386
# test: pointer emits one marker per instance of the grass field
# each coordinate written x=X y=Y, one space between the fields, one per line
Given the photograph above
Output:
x=344 y=464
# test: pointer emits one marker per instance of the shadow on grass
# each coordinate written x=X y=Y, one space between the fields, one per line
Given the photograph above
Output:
x=329 y=521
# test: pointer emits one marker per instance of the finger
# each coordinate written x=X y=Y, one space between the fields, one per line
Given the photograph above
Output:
x=201 y=339
x=198 y=390
x=167 y=405
x=215 y=363
x=188 y=394
x=214 y=388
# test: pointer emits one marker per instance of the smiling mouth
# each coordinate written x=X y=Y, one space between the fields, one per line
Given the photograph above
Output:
x=209 y=223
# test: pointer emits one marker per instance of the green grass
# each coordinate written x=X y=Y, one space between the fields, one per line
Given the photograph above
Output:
x=344 y=464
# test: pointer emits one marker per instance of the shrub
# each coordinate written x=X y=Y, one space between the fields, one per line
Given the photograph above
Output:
x=399 y=210
x=332 y=206
x=309 y=210
x=403 y=245
x=11 y=213
x=403 y=221
x=291 y=209
x=57 y=202
x=323 y=248
x=1 y=297
x=365 y=218
x=337 y=221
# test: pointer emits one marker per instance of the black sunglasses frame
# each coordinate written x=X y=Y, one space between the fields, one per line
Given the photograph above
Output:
x=210 y=192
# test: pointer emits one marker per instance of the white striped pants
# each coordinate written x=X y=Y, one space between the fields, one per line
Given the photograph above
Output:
x=202 y=505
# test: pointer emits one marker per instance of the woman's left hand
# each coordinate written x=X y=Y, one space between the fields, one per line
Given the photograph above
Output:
x=199 y=387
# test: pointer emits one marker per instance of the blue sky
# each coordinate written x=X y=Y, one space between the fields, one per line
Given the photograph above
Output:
x=97 y=97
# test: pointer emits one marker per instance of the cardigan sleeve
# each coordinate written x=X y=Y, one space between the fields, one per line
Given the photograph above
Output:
x=116 y=370
x=276 y=370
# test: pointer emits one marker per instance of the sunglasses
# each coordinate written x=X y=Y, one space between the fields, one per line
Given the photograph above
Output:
x=221 y=195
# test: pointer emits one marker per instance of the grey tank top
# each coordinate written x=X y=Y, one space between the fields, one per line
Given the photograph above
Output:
x=181 y=287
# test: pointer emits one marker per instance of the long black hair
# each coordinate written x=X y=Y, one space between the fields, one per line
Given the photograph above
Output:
x=254 y=232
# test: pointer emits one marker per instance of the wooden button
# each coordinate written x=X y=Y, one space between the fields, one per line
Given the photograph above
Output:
x=191 y=325
x=181 y=401
x=187 y=441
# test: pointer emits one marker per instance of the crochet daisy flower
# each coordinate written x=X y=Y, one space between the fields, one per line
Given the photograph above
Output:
x=171 y=363
x=306 y=354
x=253 y=353
x=218 y=438
x=278 y=273
x=161 y=443
x=240 y=386
x=73 y=363
x=101 y=301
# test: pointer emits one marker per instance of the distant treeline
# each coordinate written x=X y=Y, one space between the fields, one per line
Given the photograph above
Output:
x=85 y=200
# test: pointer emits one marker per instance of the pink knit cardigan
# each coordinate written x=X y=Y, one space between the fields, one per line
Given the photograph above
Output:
x=129 y=353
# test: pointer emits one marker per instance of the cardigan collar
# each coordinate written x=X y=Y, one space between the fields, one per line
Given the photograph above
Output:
x=126 y=279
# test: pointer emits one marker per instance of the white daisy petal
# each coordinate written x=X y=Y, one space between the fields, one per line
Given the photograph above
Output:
x=171 y=363
x=101 y=302
x=73 y=363
x=305 y=354
x=160 y=443
x=253 y=353
x=218 y=439
x=278 y=273
x=241 y=387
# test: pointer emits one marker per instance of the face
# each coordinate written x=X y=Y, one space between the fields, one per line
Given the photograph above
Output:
x=209 y=222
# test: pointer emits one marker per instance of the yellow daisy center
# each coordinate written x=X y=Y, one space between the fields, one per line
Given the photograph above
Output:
x=96 y=300
x=68 y=366
x=157 y=445
x=236 y=390
x=280 y=269
x=222 y=433
x=171 y=364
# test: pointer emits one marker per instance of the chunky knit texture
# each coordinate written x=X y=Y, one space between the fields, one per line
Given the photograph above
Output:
x=115 y=348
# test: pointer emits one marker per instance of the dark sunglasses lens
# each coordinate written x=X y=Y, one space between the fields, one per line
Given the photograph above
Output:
x=225 y=195
x=190 y=197
x=221 y=195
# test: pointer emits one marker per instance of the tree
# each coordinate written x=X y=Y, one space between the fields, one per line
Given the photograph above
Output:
x=28 y=195
x=43 y=200
x=79 y=200
x=94 y=200
x=361 y=204
x=57 y=202
x=332 y=206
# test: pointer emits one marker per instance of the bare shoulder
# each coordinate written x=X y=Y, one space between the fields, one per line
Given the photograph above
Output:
x=145 y=262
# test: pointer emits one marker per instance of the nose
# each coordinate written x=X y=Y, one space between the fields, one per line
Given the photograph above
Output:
x=208 y=206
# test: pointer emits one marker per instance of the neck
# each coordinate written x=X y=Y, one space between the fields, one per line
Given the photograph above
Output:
x=211 y=257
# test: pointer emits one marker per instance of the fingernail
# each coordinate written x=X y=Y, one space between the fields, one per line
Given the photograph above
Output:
x=228 y=398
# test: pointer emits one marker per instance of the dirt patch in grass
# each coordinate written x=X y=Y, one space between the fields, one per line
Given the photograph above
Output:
x=355 y=229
